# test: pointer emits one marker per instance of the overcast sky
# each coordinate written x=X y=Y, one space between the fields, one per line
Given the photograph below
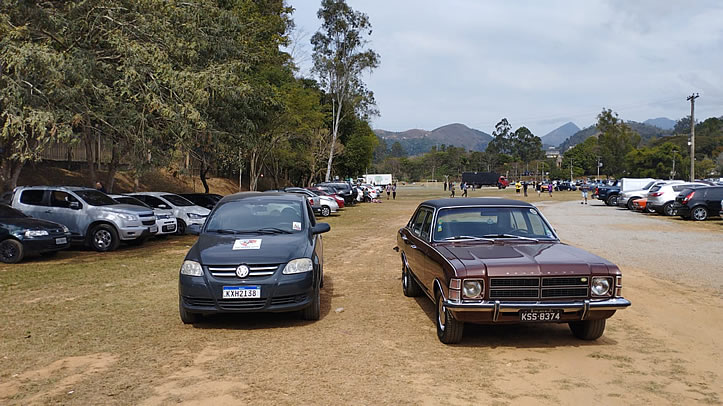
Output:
x=538 y=63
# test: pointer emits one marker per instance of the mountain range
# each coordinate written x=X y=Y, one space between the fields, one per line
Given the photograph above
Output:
x=661 y=122
x=417 y=141
x=559 y=135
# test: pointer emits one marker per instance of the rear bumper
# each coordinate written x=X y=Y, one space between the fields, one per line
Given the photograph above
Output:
x=501 y=311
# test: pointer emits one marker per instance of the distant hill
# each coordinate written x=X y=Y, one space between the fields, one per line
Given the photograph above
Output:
x=418 y=141
x=661 y=122
x=647 y=132
x=559 y=135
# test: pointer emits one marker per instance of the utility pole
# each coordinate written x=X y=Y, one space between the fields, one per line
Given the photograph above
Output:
x=672 y=173
x=598 y=168
x=570 y=169
x=691 y=99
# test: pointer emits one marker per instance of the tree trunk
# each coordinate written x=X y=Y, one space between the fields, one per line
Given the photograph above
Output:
x=240 y=169
x=89 y=142
x=10 y=172
x=253 y=171
x=335 y=130
x=112 y=168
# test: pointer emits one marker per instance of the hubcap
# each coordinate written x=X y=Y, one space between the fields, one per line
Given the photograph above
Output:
x=699 y=214
x=8 y=251
x=325 y=211
x=668 y=209
x=442 y=314
x=103 y=239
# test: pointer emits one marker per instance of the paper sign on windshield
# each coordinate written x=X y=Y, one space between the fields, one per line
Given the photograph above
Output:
x=247 y=244
x=296 y=225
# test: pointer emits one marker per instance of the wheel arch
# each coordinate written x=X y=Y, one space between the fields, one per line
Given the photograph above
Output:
x=97 y=223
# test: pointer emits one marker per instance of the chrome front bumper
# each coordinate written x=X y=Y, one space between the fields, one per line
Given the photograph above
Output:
x=498 y=307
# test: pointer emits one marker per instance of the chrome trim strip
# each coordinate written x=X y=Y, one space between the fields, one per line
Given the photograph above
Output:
x=586 y=309
x=222 y=268
x=223 y=273
x=617 y=303
x=496 y=314
x=263 y=268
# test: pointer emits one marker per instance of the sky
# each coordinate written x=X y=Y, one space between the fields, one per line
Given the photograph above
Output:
x=540 y=64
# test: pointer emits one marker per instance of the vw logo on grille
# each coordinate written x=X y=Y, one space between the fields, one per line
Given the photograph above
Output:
x=242 y=271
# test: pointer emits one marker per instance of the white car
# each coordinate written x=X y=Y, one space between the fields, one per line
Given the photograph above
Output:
x=662 y=197
x=184 y=210
x=165 y=220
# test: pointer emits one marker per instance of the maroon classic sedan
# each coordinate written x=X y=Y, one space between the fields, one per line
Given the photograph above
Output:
x=491 y=260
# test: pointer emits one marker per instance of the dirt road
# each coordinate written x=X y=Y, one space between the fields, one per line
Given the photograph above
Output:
x=95 y=329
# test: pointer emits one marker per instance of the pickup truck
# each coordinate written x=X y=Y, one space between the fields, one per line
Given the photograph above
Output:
x=609 y=194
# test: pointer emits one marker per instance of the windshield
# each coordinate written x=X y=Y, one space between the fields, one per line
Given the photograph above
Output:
x=177 y=200
x=131 y=200
x=95 y=198
x=257 y=215
x=491 y=222
x=8 y=212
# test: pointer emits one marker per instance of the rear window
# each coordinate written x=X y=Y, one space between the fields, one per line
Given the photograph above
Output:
x=178 y=200
x=657 y=187
x=34 y=197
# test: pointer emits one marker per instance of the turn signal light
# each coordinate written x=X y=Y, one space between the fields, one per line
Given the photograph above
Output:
x=687 y=198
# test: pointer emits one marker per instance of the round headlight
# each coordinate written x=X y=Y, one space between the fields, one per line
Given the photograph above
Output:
x=600 y=286
x=471 y=288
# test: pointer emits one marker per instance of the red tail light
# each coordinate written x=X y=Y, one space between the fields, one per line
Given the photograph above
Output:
x=311 y=201
x=686 y=199
x=656 y=194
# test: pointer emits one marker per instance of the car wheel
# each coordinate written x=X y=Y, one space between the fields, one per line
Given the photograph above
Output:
x=325 y=211
x=186 y=316
x=313 y=310
x=104 y=238
x=649 y=209
x=668 y=209
x=587 y=329
x=449 y=330
x=630 y=202
x=409 y=285
x=612 y=200
x=181 y=227
x=699 y=213
x=11 y=251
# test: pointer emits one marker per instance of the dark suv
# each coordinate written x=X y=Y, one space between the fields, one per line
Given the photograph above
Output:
x=699 y=204
x=343 y=189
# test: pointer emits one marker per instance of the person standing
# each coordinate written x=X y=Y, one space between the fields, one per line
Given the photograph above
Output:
x=389 y=190
x=451 y=189
x=518 y=186
x=464 y=189
x=445 y=185
x=538 y=188
x=549 y=189
x=394 y=191
x=99 y=187
x=524 y=187
x=584 y=188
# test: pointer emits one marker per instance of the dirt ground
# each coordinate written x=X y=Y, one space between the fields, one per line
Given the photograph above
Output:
x=84 y=328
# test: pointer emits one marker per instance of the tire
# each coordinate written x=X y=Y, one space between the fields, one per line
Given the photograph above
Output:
x=103 y=238
x=649 y=210
x=668 y=209
x=186 y=316
x=313 y=310
x=449 y=330
x=180 y=227
x=11 y=251
x=325 y=211
x=587 y=329
x=409 y=285
x=630 y=203
x=699 y=213
x=612 y=200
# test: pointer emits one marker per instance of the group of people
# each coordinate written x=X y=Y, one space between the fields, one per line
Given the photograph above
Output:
x=393 y=190
x=462 y=186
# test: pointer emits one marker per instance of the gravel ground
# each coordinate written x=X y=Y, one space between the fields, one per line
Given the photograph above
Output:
x=670 y=248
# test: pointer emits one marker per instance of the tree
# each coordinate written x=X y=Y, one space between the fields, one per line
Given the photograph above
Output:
x=340 y=59
x=502 y=143
x=525 y=145
x=615 y=141
x=397 y=150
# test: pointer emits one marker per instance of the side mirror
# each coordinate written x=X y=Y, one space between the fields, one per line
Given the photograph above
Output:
x=162 y=206
x=321 y=228
x=194 y=229
x=74 y=205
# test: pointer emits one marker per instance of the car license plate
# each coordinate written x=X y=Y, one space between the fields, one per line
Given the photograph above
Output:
x=153 y=229
x=242 y=292
x=540 y=315
x=61 y=240
x=169 y=228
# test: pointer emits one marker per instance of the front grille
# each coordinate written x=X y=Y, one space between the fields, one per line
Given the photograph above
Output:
x=148 y=222
x=197 y=301
x=241 y=304
x=539 y=288
x=282 y=300
x=255 y=270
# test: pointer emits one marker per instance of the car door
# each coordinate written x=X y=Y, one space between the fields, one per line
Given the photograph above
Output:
x=428 y=267
x=33 y=203
x=67 y=210
x=713 y=197
x=412 y=243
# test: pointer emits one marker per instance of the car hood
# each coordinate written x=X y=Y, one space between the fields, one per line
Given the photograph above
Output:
x=524 y=259
x=31 y=223
x=217 y=249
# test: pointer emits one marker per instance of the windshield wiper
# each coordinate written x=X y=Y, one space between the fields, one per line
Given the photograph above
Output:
x=223 y=231
x=273 y=230
x=467 y=237
x=511 y=236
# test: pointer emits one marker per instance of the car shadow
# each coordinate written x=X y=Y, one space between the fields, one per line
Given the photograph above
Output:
x=256 y=321
x=532 y=335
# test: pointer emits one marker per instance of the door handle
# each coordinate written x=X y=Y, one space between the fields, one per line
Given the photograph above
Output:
x=47 y=212
x=413 y=246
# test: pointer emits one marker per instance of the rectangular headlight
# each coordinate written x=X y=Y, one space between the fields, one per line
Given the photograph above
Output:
x=299 y=265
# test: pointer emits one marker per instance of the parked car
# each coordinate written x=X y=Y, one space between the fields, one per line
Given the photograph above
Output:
x=258 y=252
x=21 y=235
x=662 y=197
x=700 y=203
x=326 y=192
x=566 y=186
x=491 y=260
x=323 y=205
x=641 y=205
x=185 y=211
x=92 y=216
x=625 y=199
x=343 y=189
x=207 y=200
x=165 y=220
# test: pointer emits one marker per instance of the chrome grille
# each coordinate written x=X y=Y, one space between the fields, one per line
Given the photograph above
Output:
x=229 y=271
x=539 y=288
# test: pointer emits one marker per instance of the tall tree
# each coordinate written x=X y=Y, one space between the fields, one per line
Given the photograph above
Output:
x=616 y=140
x=340 y=58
